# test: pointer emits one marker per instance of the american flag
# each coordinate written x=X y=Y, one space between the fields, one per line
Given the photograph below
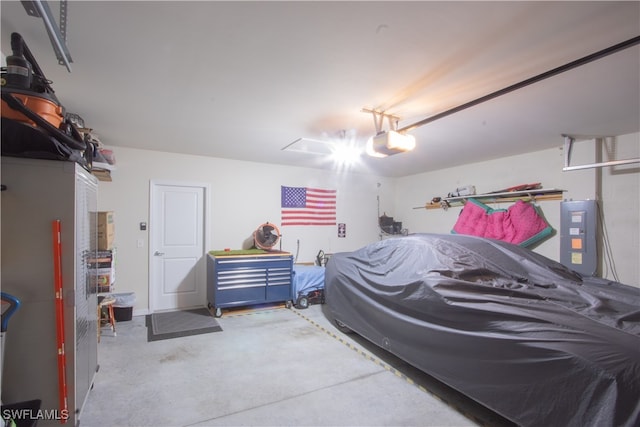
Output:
x=308 y=206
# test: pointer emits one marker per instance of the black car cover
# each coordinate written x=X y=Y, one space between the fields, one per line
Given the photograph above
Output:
x=519 y=333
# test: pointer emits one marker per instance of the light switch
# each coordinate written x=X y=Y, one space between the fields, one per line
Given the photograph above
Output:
x=140 y=243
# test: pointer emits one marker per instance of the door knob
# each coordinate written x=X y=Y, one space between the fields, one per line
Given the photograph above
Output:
x=156 y=253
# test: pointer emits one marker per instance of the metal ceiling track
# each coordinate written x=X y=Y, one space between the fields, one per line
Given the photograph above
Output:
x=571 y=65
x=57 y=35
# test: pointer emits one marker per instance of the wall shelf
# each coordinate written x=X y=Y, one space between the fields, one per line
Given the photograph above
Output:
x=541 y=194
x=102 y=170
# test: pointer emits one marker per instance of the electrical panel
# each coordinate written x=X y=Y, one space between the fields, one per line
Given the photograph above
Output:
x=578 y=243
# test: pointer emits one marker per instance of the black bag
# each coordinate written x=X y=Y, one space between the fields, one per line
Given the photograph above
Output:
x=20 y=139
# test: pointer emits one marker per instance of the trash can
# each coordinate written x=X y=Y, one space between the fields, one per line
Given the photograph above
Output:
x=123 y=307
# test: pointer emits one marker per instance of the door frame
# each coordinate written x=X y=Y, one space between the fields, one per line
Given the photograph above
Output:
x=206 y=205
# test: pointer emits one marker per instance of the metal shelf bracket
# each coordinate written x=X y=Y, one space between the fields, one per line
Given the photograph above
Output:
x=57 y=35
x=568 y=145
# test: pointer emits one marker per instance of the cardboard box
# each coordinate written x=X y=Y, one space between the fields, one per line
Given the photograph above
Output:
x=106 y=231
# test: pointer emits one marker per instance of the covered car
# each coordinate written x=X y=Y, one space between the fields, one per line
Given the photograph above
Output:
x=519 y=333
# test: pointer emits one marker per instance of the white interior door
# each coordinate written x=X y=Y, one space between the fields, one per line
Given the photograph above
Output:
x=177 y=273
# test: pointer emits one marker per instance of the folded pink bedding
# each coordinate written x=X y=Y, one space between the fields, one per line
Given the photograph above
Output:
x=521 y=224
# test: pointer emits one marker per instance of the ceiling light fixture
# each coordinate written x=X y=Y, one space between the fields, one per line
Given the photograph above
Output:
x=387 y=143
x=345 y=152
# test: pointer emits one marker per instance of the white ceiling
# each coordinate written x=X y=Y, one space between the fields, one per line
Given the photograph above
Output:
x=242 y=80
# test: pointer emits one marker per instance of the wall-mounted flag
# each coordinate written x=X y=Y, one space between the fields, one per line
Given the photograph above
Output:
x=308 y=206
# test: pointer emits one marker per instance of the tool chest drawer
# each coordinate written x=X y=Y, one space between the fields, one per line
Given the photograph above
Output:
x=248 y=279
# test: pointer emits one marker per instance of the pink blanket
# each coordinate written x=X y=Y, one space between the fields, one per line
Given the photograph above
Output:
x=522 y=224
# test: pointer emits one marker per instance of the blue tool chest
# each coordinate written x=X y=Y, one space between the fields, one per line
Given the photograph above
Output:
x=239 y=280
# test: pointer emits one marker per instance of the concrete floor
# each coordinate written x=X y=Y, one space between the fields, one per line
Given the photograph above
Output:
x=269 y=366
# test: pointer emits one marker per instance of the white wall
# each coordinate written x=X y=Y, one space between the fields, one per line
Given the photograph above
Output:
x=244 y=195
x=543 y=166
x=619 y=198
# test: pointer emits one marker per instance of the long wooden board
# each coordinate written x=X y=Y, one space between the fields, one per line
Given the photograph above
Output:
x=541 y=194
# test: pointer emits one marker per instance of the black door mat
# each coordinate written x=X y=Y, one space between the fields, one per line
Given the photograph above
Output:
x=175 y=324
